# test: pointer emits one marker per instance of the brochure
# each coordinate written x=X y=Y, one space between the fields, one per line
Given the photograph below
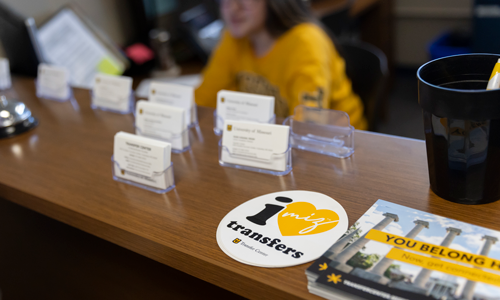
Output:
x=396 y=252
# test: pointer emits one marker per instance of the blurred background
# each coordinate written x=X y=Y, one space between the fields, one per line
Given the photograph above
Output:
x=165 y=38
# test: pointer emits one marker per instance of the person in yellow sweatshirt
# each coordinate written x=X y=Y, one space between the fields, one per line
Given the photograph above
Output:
x=276 y=48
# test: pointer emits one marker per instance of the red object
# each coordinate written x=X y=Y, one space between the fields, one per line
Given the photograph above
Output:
x=139 y=53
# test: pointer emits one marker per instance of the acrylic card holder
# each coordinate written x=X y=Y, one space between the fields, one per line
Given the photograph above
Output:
x=5 y=80
x=323 y=131
x=167 y=176
x=175 y=139
x=219 y=122
x=40 y=93
x=129 y=109
x=194 y=117
x=5 y=85
x=284 y=159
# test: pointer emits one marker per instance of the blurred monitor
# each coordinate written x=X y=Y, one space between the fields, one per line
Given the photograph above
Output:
x=203 y=29
x=193 y=25
x=17 y=38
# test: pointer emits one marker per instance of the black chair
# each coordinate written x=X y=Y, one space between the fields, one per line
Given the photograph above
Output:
x=339 y=22
x=366 y=66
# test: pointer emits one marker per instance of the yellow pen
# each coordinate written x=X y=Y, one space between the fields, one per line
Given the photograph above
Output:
x=494 y=82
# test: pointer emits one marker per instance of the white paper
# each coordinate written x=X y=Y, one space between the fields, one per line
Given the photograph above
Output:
x=162 y=122
x=256 y=145
x=53 y=82
x=243 y=107
x=66 y=41
x=174 y=95
x=5 y=81
x=141 y=159
x=112 y=92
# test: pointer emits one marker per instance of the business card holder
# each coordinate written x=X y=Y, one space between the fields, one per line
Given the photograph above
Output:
x=5 y=86
x=41 y=94
x=168 y=178
x=194 y=113
x=323 y=131
x=219 y=120
x=275 y=158
x=174 y=139
x=129 y=109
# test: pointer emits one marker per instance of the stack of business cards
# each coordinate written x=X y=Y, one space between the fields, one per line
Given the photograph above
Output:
x=112 y=93
x=177 y=95
x=255 y=145
x=142 y=160
x=163 y=122
x=53 y=82
x=243 y=107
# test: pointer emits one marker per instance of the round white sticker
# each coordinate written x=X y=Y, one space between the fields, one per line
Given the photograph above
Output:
x=282 y=229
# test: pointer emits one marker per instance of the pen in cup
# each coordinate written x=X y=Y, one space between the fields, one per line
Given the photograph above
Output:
x=494 y=82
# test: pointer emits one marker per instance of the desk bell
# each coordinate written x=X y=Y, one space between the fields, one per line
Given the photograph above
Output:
x=15 y=118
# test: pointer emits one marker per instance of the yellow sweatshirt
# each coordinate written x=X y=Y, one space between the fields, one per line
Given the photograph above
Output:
x=302 y=67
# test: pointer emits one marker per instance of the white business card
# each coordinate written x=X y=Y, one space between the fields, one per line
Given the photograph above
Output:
x=255 y=144
x=53 y=82
x=112 y=92
x=177 y=95
x=141 y=159
x=5 y=81
x=243 y=107
x=162 y=122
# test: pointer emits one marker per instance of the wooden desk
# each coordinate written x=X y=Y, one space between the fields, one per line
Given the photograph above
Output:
x=62 y=169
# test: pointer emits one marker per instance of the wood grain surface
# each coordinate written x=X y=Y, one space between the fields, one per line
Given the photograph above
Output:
x=62 y=169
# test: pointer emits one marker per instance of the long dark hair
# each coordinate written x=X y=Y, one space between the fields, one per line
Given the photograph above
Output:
x=282 y=15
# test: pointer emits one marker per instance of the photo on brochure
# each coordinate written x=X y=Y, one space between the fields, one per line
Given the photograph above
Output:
x=396 y=252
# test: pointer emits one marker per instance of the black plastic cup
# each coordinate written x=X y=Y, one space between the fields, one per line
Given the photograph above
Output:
x=462 y=127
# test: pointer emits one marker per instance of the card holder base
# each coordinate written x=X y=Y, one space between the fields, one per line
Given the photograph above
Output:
x=169 y=179
x=277 y=158
x=219 y=122
x=130 y=107
x=40 y=94
x=5 y=86
x=323 y=131
x=194 y=114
